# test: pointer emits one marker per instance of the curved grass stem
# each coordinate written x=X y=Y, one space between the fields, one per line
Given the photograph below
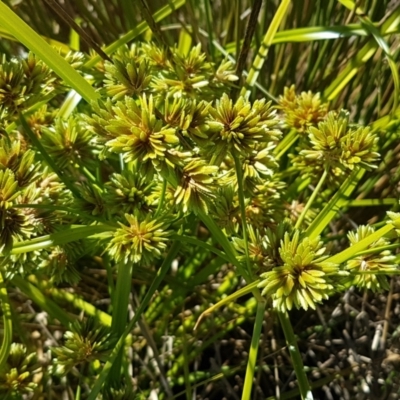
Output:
x=295 y=355
x=312 y=198
x=7 y=337
x=251 y=364
x=239 y=174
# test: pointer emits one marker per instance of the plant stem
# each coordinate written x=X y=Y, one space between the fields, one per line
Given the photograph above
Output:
x=173 y=251
x=312 y=198
x=295 y=355
x=239 y=175
x=120 y=313
x=7 y=335
x=251 y=364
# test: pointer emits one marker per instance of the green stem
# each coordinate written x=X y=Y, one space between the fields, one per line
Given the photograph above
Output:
x=120 y=313
x=210 y=29
x=154 y=286
x=295 y=355
x=7 y=321
x=312 y=198
x=286 y=143
x=251 y=364
x=265 y=45
x=239 y=174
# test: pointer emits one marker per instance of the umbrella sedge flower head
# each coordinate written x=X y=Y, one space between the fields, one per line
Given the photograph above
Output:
x=242 y=125
x=304 y=279
x=139 y=135
x=336 y=145
x=129 y=193
x=127 y=77
x=371 y=263
x=14 y=225
x=69 y=143
x=196 y=185
x=19 y=160
x=302 y=111
x=18 y=377
x=85 y=342
x=140 y=240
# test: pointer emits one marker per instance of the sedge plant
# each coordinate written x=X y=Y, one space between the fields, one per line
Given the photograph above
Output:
x=152 y=176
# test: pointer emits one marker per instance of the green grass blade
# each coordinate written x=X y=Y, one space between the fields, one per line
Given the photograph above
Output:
x=361 y=58
x=295 y=355
x=352 y=251
x=120 y=312
x=372 y=29
x=70 y=234
x=62 y=47
x=152 y=289
x=34 y=42
x=336 y=202
x=255 y=343
x=265 y=45
x=7 y=322
x=315 y=33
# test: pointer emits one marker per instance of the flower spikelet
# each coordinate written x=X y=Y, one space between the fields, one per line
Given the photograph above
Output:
x=196 y=186
x=84 y=343
x=337 y=146
x=326 y=140
x=243 y=125
x=140 y=240
x=129 y=193
x=358 y=148
x=69 y=143
x=304 y=278
x=8 y=188
x=129 y=77
x=139 y=134
x=17 y=377
x=365 y=268
x=302 y=111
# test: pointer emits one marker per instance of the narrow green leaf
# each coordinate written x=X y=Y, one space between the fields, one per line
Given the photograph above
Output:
x=265 y=45
x=336 y=202
x=361 y=245
x=227 y=300
x=62 y=47
x=255 y=344
x=7 y=324
x=295 y=355
x=374 y=31
x=361 y=58
x=152 y=289
x=120 y=311
x=70 y=234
